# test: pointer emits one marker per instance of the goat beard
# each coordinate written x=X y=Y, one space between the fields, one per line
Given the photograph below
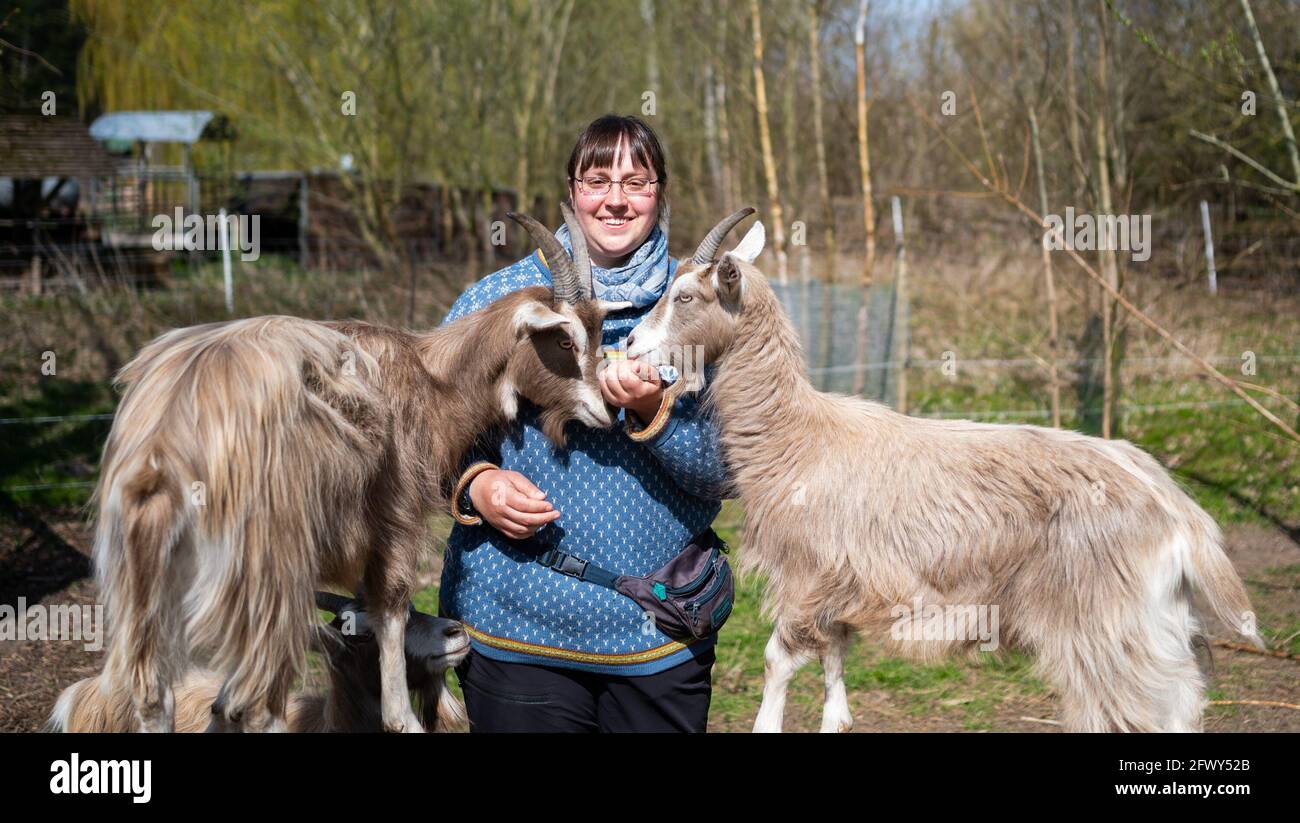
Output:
x=553 y=423
x=440 y=709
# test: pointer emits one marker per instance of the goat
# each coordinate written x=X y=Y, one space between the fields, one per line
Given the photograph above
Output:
x=1087 y=547
x=351 y=703
x=250 y=459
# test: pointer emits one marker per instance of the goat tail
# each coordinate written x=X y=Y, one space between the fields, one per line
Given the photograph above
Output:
x=1211 y=571
x=301 y=437
x=138 y=538
x=231 y=446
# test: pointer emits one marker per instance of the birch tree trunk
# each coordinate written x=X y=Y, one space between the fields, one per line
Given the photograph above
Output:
x=765 y=139
x=730 y=190
x=868 y=210
x=711 y=136
x=651 y=51
x=1278 y=101
x=1109 y=269
x=1054 y=383
x=823 y=185
x=1072 y=105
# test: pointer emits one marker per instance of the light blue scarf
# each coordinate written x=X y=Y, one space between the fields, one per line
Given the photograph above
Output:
x=641 y=280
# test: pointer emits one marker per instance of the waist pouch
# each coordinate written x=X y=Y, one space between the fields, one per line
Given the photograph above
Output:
x=689 y=597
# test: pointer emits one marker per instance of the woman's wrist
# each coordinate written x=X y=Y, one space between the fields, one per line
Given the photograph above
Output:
x=654 y=421
x=462 y=506
x=647 y=407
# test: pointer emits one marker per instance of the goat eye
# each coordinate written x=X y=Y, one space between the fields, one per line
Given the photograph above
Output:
x=566 y=343
x=685 y=298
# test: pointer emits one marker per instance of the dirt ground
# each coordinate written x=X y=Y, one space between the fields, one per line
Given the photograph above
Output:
x=44 y=560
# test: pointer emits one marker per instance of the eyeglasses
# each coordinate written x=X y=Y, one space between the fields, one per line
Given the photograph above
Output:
x=632 y=187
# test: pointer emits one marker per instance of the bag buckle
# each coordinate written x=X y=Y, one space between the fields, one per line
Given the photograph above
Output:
x=564 y=563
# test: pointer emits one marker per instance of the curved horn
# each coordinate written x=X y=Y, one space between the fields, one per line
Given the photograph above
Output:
x=565 y=283
x=581 y=259
x=708 y=250
x=330 y=602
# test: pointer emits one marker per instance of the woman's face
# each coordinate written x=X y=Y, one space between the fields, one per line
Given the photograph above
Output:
x=615 y=224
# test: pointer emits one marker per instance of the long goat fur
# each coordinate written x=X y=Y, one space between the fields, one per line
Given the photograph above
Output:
x=252 y=460
x=1087 y=546
x=349 y=704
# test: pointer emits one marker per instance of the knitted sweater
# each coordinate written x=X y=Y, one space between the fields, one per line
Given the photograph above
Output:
x=626 y=506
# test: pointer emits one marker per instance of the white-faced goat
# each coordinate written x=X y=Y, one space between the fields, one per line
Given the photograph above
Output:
x=863 y=519
x=352 y=702
x=250 y=460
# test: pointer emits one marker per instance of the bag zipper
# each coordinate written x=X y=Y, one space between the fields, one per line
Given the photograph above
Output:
x=694 y=606
x=690 y=587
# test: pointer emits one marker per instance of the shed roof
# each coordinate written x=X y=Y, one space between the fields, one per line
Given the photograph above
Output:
x=151 y=126
x=33 y=145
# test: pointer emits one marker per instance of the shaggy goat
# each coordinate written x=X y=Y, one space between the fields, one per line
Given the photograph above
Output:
x=249 y=460
x=351 y=703
x=867 y=520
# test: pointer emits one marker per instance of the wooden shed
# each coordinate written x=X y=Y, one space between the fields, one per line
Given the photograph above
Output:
x=50 y=171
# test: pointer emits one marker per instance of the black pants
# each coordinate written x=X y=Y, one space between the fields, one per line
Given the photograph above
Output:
x=521 y=697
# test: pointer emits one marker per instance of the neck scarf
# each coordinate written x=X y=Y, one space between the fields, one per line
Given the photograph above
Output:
x=640 y=280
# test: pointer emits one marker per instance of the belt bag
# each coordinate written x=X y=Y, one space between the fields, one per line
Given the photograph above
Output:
x=689 y=597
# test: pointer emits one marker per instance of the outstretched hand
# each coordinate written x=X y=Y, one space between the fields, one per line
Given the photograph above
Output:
x=632 y=385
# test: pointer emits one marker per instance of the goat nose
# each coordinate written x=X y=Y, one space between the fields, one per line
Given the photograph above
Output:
x=453 y=631
x=631 y=340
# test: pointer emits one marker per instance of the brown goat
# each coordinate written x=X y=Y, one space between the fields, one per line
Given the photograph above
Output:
x=350 y=704
x=1080 y=550
x=250 y=460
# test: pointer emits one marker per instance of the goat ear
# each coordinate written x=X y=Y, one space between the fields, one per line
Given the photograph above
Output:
x=534 y=317
x=752 y=245
x=729 y=281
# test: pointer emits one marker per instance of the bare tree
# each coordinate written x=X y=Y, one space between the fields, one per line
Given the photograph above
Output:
x=868 y=210
x=765 y=136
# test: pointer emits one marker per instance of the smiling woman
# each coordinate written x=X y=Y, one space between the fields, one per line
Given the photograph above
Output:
x=617 y=181
x=556 y=651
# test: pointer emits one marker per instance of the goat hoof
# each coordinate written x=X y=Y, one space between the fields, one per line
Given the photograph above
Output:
x=406 y=725
x=837 y=724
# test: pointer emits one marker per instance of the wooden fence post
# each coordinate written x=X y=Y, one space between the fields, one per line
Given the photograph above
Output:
x=1209 y=247
x=901 y=336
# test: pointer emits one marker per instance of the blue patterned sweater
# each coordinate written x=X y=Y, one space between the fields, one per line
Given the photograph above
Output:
x=626 y=506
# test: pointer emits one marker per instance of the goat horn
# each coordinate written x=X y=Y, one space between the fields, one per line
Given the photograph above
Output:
x=565 y=283
x=708 y=250
x=581 y=259
x=330 y=602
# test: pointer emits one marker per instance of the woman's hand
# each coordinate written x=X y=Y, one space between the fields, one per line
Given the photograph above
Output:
x=511 y=503
x=633 y=385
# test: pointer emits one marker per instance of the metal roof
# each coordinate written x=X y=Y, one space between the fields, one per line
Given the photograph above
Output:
x=33 y=145
x=151 y=126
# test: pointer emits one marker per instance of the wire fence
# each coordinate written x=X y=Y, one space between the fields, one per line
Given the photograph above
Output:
x=829 y=320
x=969 y=414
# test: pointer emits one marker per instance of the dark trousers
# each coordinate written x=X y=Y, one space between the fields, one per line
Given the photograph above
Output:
x=521 y=697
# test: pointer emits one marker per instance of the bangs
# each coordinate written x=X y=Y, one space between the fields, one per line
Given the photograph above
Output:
x=598 y=146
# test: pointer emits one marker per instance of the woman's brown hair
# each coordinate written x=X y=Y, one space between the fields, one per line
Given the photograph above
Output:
x=599 y=141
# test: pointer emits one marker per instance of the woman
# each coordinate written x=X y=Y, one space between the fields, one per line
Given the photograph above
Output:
x=551 y=652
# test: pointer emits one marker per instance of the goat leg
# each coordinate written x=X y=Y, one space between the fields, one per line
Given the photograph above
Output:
x=781 y=663
x=836 y=716
x=390 y=633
